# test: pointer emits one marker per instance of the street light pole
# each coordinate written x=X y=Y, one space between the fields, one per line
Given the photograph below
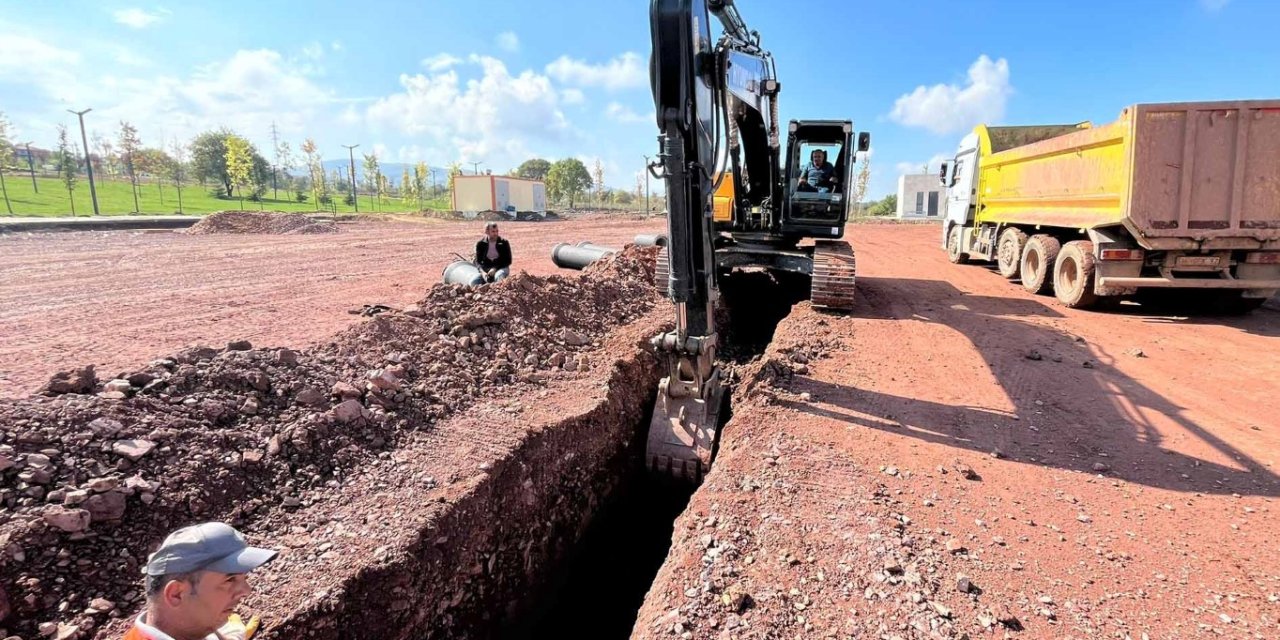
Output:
x=475 y=167
x=88 y=162
x=31 y=166
x=352 y=155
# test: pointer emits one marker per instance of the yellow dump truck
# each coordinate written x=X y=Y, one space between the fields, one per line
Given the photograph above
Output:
x=1183 y=196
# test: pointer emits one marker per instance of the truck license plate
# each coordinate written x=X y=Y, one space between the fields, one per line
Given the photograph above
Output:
x=1198 y=261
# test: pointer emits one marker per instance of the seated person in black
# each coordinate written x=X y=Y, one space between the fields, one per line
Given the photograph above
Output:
x=817 y=176
x=493 y=254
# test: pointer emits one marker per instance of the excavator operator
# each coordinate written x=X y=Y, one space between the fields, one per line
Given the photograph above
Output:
x=818 y=175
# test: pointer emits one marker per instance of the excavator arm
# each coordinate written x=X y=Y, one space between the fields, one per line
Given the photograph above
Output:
x=704 y=92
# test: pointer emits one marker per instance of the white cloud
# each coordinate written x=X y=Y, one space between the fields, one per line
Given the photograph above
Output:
x=927 y=166
x=440 y=62
x=948 y=108
x=139 y=18
x=313 y=51
x=623 y=72
x=620 y=113
x=493 y=118
x=1214 y=6
x=337 y=45
x=28 y=60
x=507 y=41
x=572 y=96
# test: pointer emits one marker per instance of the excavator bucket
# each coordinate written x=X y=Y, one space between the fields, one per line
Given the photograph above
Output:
x=682 y=433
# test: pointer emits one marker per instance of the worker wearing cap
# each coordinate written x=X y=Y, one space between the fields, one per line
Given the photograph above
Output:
x=493 y=254
x=194 y=582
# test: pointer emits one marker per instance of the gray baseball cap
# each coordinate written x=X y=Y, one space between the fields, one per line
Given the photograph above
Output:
x=211 y=546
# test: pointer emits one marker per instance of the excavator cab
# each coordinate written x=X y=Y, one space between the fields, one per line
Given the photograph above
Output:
x=819 y=213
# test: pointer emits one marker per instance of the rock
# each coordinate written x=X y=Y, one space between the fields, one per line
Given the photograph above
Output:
x=67 y=632
x=385 y=381
x=251 y=456
x=1033 y=355
x=414 y=310
x=309 y=396
x=39 y=461
x=955 y=546
x=101 y=605
x=136 y=483
x=963 y=584
x=348 y=411
x=1084 y=518
x=806 y=397
x=1137 y=353
x=134 y=450
x=68 y=520
x=250 y=407
x=258 y=380
x=941 y=609
x=140 y=379
x=997 y=454
x=1101 y=467
x=290 y=502
x=105 y=507
x=99 y=485
x=344 y=391
x=6 y=463
x=574 y=339
x=286 y=357
x=273 y=446
x=1088 y=364
x=239 y=345
x=35 y=476
x=966 y=471
x=74 y=498
x=557 y=360
x=117 y=386
x=113 y=395
x=75 y=381
x=105 y=427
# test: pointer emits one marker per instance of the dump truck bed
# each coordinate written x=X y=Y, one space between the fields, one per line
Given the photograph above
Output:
x=1184 y=175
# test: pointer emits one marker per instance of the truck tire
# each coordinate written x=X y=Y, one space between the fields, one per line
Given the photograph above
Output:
x=1233 y=303
x=955 y=241
x=1009 y=252
x=1074 y=273
x=1037 y=263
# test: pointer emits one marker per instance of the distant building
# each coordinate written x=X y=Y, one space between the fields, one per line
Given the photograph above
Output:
x=920 y=195
x=505 y=194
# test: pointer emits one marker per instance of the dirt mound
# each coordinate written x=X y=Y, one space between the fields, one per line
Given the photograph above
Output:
x=91 y=481
x=259 y=222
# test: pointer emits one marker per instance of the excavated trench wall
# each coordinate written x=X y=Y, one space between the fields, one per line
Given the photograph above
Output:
x=476 y=566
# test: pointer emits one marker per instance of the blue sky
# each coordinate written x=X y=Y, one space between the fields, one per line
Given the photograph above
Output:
x=500 y=81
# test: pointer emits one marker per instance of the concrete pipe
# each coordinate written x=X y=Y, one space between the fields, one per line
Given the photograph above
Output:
x=651 y=240
x=463 y=272
x=567 y=256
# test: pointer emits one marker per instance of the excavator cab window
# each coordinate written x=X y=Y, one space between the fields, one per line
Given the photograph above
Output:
x=820 y=168
x=817 y=209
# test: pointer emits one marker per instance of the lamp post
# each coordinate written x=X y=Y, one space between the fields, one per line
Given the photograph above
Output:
x=647 y=209
x=31 y=166
x=475 y=167
x=351 y=154
x=88 y=162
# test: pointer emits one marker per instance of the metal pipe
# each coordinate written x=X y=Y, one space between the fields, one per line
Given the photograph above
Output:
x=651 y=240
x=567 y=256
x=463 y=272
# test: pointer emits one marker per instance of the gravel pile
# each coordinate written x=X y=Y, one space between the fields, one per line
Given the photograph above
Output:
x=97 y=469
x=258 y=222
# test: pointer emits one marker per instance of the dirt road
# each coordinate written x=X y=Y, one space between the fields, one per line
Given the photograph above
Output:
x=117 y=299
x=968 y=458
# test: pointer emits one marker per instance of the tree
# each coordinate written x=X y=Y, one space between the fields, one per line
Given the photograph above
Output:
x=106 y=154
x=129 y=145
x=65 y=160
x=597 y=173
x=407 y=191
x=6 y=158
x=284 y=160
x=455 y=170
x=315 y=169
x=177 y=169
x=239 y=163
x=384 y=188
x=420 y=172
x=371 y=175
x=154 y=163
x=567 y=179
x=886 y=207
x=861 y=182
x=533 y=169
x=209 y=160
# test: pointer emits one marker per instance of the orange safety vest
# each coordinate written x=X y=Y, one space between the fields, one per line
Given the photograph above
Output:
x=136 y=634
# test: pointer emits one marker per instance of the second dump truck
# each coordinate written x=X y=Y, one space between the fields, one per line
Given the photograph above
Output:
x=1183 y=196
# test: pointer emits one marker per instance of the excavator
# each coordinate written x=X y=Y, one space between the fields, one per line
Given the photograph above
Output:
x=734 y=203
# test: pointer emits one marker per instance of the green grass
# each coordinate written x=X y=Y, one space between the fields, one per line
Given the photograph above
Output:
x=115 y=199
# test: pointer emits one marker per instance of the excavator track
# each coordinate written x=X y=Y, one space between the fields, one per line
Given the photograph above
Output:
x=834 y=275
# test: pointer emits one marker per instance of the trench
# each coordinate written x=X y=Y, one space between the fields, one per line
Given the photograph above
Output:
x=597 y=587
